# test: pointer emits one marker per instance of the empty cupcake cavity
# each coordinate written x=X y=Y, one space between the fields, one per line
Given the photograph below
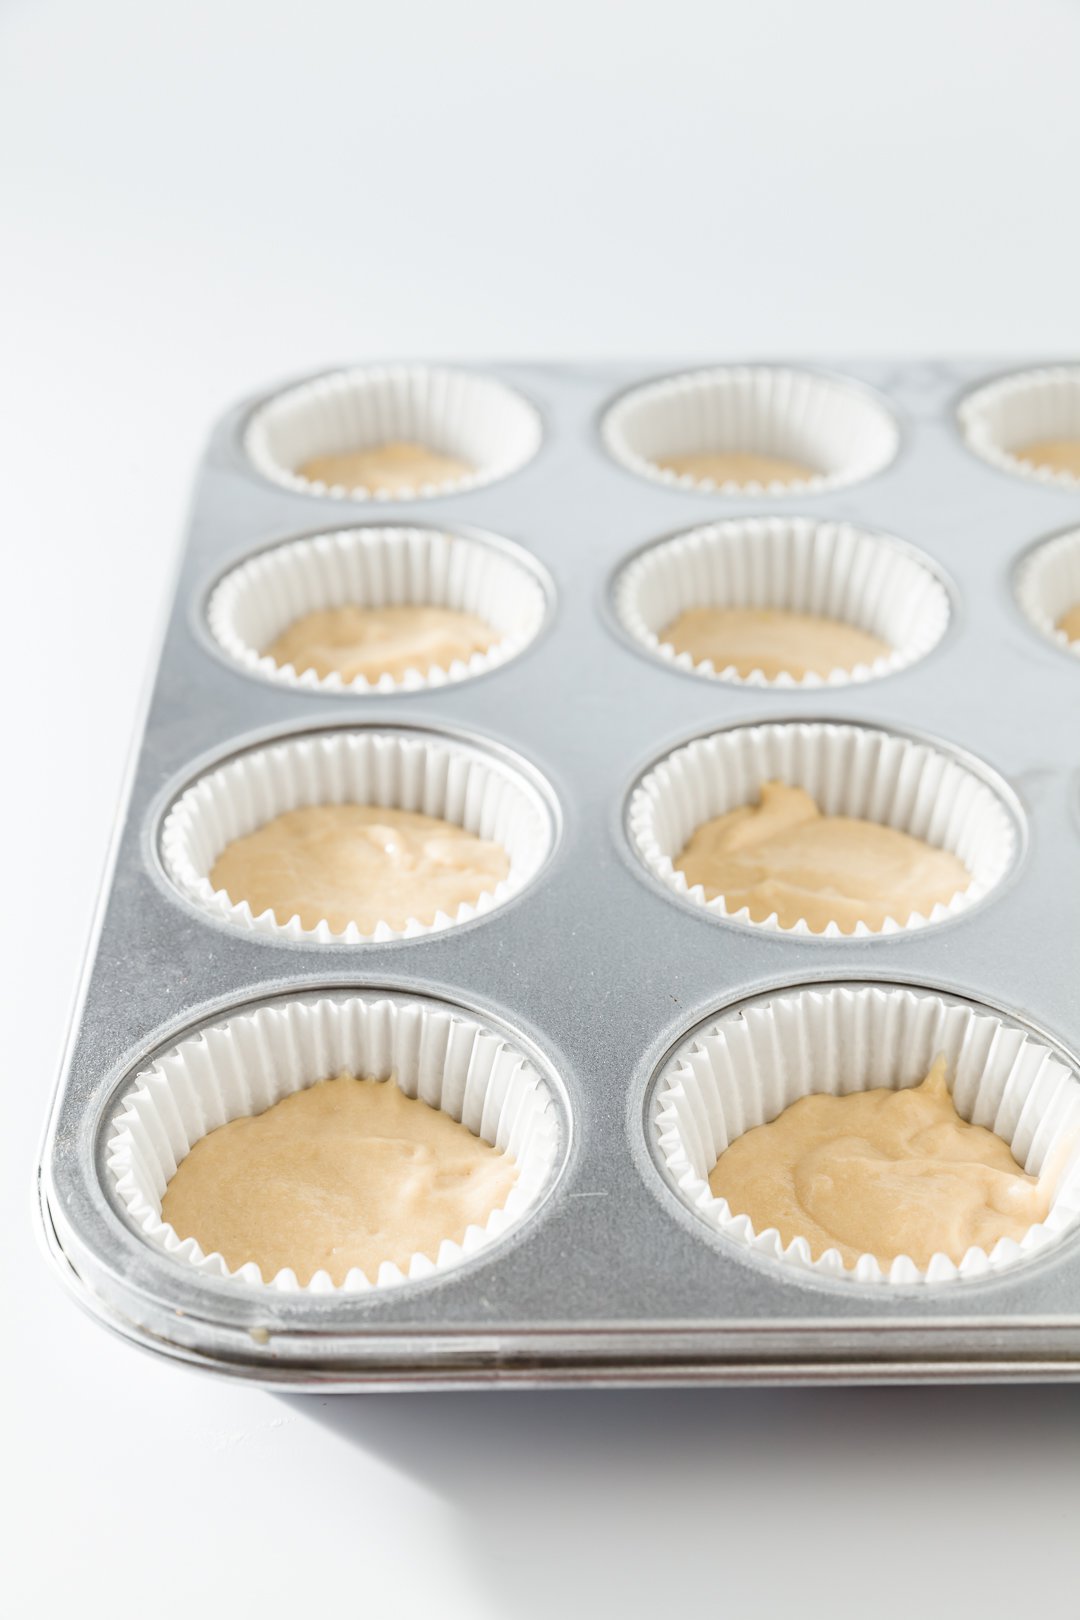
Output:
x=748 y=1066
x=836 y=430
x=251 y=1060
x=376 y=568
x=797 y=565
x=847 y=770
x=1048 y=588
x=428 y=773
x=1012 y=414
x=458 y=414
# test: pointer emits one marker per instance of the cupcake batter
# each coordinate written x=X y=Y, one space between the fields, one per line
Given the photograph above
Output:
x=1055 y=455
x=347 y=1173
x=782 y=855
x=352 y=641
x=398 y=467
x=738 y=467
x=1070 y=622
x=358 y=863
x=881 y=1172
x=771 y=640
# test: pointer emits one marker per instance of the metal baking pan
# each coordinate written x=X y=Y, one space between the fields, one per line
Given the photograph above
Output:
x=594 y=967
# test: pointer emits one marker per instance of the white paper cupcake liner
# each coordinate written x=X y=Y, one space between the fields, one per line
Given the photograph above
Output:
x=432 y=774
x=848 y=770
x=1002 y=417
x=830 y=425
x=456 y=413
x=252 y=1060
x=751 y=1064
x=1048 y=585
x=375 y=568
x=799 y=565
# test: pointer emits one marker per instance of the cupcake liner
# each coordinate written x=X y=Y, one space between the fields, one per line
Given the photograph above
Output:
x=751 y=1064
x=1003 y=416
x=246 y=1063
x=1048 y=585
x=848 y=770
x=429 y=773
x=800 y=565
x=820 y=421
x=456 y=413
x=375 y=568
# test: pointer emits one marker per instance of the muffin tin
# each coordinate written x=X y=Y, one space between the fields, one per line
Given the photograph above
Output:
x=593 y=974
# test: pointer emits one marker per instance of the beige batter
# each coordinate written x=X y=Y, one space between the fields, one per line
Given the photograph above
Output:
x=1057 y=455
x=396 y=468
x=771 y=640
x=358 y=863
x=883 y=1173
x=782 y=855
x=738 y=467
x=352 y=641
x=347 y=1173
x=1070 y=623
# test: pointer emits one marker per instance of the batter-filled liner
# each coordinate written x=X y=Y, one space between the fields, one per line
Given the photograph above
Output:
x=796 y=565
x=1048 y=589
x=1007 y=420
x=458 y=414
x=838 y=432
x=249 y=1061
x=429 y=774
x=848 y=770
x=376 y=568
x=751 y=1064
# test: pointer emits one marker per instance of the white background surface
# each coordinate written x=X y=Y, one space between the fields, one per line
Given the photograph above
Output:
x=197 y=198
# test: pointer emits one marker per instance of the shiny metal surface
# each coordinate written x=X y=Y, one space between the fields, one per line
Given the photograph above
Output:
x=594 y=966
